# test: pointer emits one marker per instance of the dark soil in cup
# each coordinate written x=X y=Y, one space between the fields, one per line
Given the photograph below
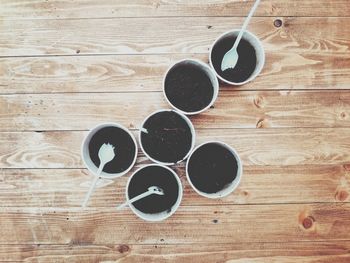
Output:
x=212 y=167
x=188 y=87
x=169 y=137
x=246 y=59
x=154 y=176
x=124 y=149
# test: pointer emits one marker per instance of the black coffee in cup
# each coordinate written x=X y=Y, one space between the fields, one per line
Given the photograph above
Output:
x=124 y=148
x=188 y=87
x=154 y=176
x=168 y=138
x=246 y=59
x=212 y=167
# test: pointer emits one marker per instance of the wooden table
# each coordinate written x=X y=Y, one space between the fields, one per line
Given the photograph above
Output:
x=66 y=66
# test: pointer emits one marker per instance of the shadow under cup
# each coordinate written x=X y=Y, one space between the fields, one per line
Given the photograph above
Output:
x=251 y=57
x=125 y=149
x=154 y=207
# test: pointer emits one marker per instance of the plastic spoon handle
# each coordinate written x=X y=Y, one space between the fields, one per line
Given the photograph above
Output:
x=245 y=24
x=136 y=198
x=93 y=184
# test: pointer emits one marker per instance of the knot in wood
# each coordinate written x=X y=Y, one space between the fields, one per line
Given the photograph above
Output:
x=343 y=115
x=308 y=222
x=277 y=23
x=341 y=195
x=123 y=248
x=259 y=102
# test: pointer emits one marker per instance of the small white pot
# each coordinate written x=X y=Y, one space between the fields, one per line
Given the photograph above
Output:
x=162 y=215
x=86 y=156
x=229 y=188
x=259 y=51
x=209 y=72
x=193 y=133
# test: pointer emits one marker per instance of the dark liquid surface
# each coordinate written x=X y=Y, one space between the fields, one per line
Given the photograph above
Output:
x=169 y=137
x=124 y=149
x=246 y=59
x=154 y=176
x=212 y=167
x=188 y=87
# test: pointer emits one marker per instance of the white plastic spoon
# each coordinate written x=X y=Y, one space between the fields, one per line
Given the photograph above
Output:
x=105 y=154
x=144 y=130
x=231 y=57
x=151 y=190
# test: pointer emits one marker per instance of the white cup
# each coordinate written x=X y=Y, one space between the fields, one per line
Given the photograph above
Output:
x=193 y=133
x=208 y=71
x=158 y=216
x=86 y=155
x=230 y=187
x=259 y=51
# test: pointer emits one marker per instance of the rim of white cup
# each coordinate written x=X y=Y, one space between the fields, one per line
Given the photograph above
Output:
x=210 y=73
x=86 y=155
x=193 y=133
x=162 y=215
x=259 y=50
x=232 y=186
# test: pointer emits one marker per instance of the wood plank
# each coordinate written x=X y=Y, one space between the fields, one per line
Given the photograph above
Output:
x=20 y=9
x=54 y=188
x=140 y=73
x=298 y=146
x=195 y=224
x=166 y=35
x=233 y=109
x=307 y=252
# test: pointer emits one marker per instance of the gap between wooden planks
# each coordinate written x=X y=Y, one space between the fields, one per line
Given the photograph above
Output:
x=167 y=35
x=142 y=73
x=233 y=109
x=64 y=189
x=36 y=9
x=190 y=224
x=306 y=252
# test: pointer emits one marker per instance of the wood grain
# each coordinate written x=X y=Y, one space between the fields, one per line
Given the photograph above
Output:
x=166 y=35
x=67 y=65
x=20 y=9
x=194 y=224
x=308 y=252
x=50 y=189
x=299 y=146
x=141 y=73
x=233 y=109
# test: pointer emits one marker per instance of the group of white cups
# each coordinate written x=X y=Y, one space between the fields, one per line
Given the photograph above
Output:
x=213 y=76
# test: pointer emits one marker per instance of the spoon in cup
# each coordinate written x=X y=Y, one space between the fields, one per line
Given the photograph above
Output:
x=151 y=190
x=105 y=154
x=230 y=59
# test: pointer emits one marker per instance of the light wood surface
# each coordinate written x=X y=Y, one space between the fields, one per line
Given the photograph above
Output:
x=55 y=188
x=192 y=224
x=61 y=149
x=56 y=9
x=37 y=37
x=143 y=73
x=66 y=66
x=233 y=252
x=246 y=109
